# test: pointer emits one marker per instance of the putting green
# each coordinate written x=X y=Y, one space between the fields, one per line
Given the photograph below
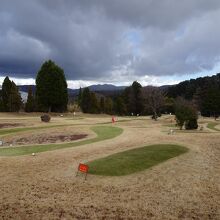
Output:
x=102 y=132
x=134 y=160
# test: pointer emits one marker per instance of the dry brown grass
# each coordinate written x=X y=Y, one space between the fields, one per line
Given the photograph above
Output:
x=45 y=186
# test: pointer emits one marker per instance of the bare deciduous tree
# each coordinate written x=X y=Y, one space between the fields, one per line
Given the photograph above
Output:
x=154 y=99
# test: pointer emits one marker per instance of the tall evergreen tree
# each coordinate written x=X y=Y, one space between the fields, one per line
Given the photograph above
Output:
x=11 y=98
x=85 y=101
x=14 y=103
x=138 y=98
x=108 y=106
x=6 y=90
x=89 y=102
x=133 y=98
x=29 y=106
x=210 y=104
x=119 y=106
x=168 y=105
x=102 y=105
x=51 y=88
x=127 y=99
x=1 y=102
x=79 y=100
x=94 y=105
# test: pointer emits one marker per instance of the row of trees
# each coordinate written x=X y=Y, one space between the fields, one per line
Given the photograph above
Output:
x=91 y=102
x=134 y=100
x=51 y=92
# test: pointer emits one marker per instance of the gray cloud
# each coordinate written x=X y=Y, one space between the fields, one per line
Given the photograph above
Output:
x=99 y=39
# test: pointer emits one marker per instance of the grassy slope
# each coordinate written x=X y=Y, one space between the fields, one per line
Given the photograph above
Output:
x=134 y=160
x=103 y=133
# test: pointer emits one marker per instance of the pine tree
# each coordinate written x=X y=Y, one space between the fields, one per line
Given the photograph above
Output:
x=1 y=102
x=138 y=99
x=11 y=98
x=79 y=100
x=119 y=106
x=94 y=105
x=29 y=106
x=14 y=103
x=211 y=101
x=102 y=105
x=6 y=89
x=133 y=98
x=51 y=88
x=168 y=105
x=108 y=106
x=85 y=101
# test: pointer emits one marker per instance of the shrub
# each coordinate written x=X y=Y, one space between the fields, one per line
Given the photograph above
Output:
x=191 y=124
x=45 y=118
x=186 y=114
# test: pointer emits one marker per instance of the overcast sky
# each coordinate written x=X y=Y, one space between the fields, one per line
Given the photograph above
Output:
x=110 y=41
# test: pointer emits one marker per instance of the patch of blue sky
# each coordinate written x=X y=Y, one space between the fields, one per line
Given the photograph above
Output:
x=134 y=38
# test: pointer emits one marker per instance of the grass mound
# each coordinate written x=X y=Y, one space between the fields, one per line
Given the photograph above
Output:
x=102 y=132
x=134 y=160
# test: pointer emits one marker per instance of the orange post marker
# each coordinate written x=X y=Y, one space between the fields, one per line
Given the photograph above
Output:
x=83 y=168
x=113 y=119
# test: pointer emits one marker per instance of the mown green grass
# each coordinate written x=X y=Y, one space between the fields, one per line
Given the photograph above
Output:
x=102 y=132
x=134 y=160
x=211 y=125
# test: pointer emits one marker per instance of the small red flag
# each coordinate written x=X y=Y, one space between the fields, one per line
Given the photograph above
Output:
x=113 y=119
x=83 y=168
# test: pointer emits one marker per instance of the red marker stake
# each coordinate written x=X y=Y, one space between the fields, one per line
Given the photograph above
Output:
x=113 y=119
x=83 y=168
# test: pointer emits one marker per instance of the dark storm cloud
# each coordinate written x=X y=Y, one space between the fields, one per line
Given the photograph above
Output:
x=100 y=39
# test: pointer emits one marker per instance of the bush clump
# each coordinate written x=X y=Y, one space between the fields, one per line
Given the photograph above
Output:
x=186 y=114
x=191 y=124
x=45 y=118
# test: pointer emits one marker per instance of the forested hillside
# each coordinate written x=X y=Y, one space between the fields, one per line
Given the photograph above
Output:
x=203 y=91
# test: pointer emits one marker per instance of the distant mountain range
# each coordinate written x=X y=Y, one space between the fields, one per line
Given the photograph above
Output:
x=185 y=88
x=94 y=88
x=103 y=89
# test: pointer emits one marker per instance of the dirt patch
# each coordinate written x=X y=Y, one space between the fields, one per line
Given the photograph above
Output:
x=46 y=139
x=10 y=125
